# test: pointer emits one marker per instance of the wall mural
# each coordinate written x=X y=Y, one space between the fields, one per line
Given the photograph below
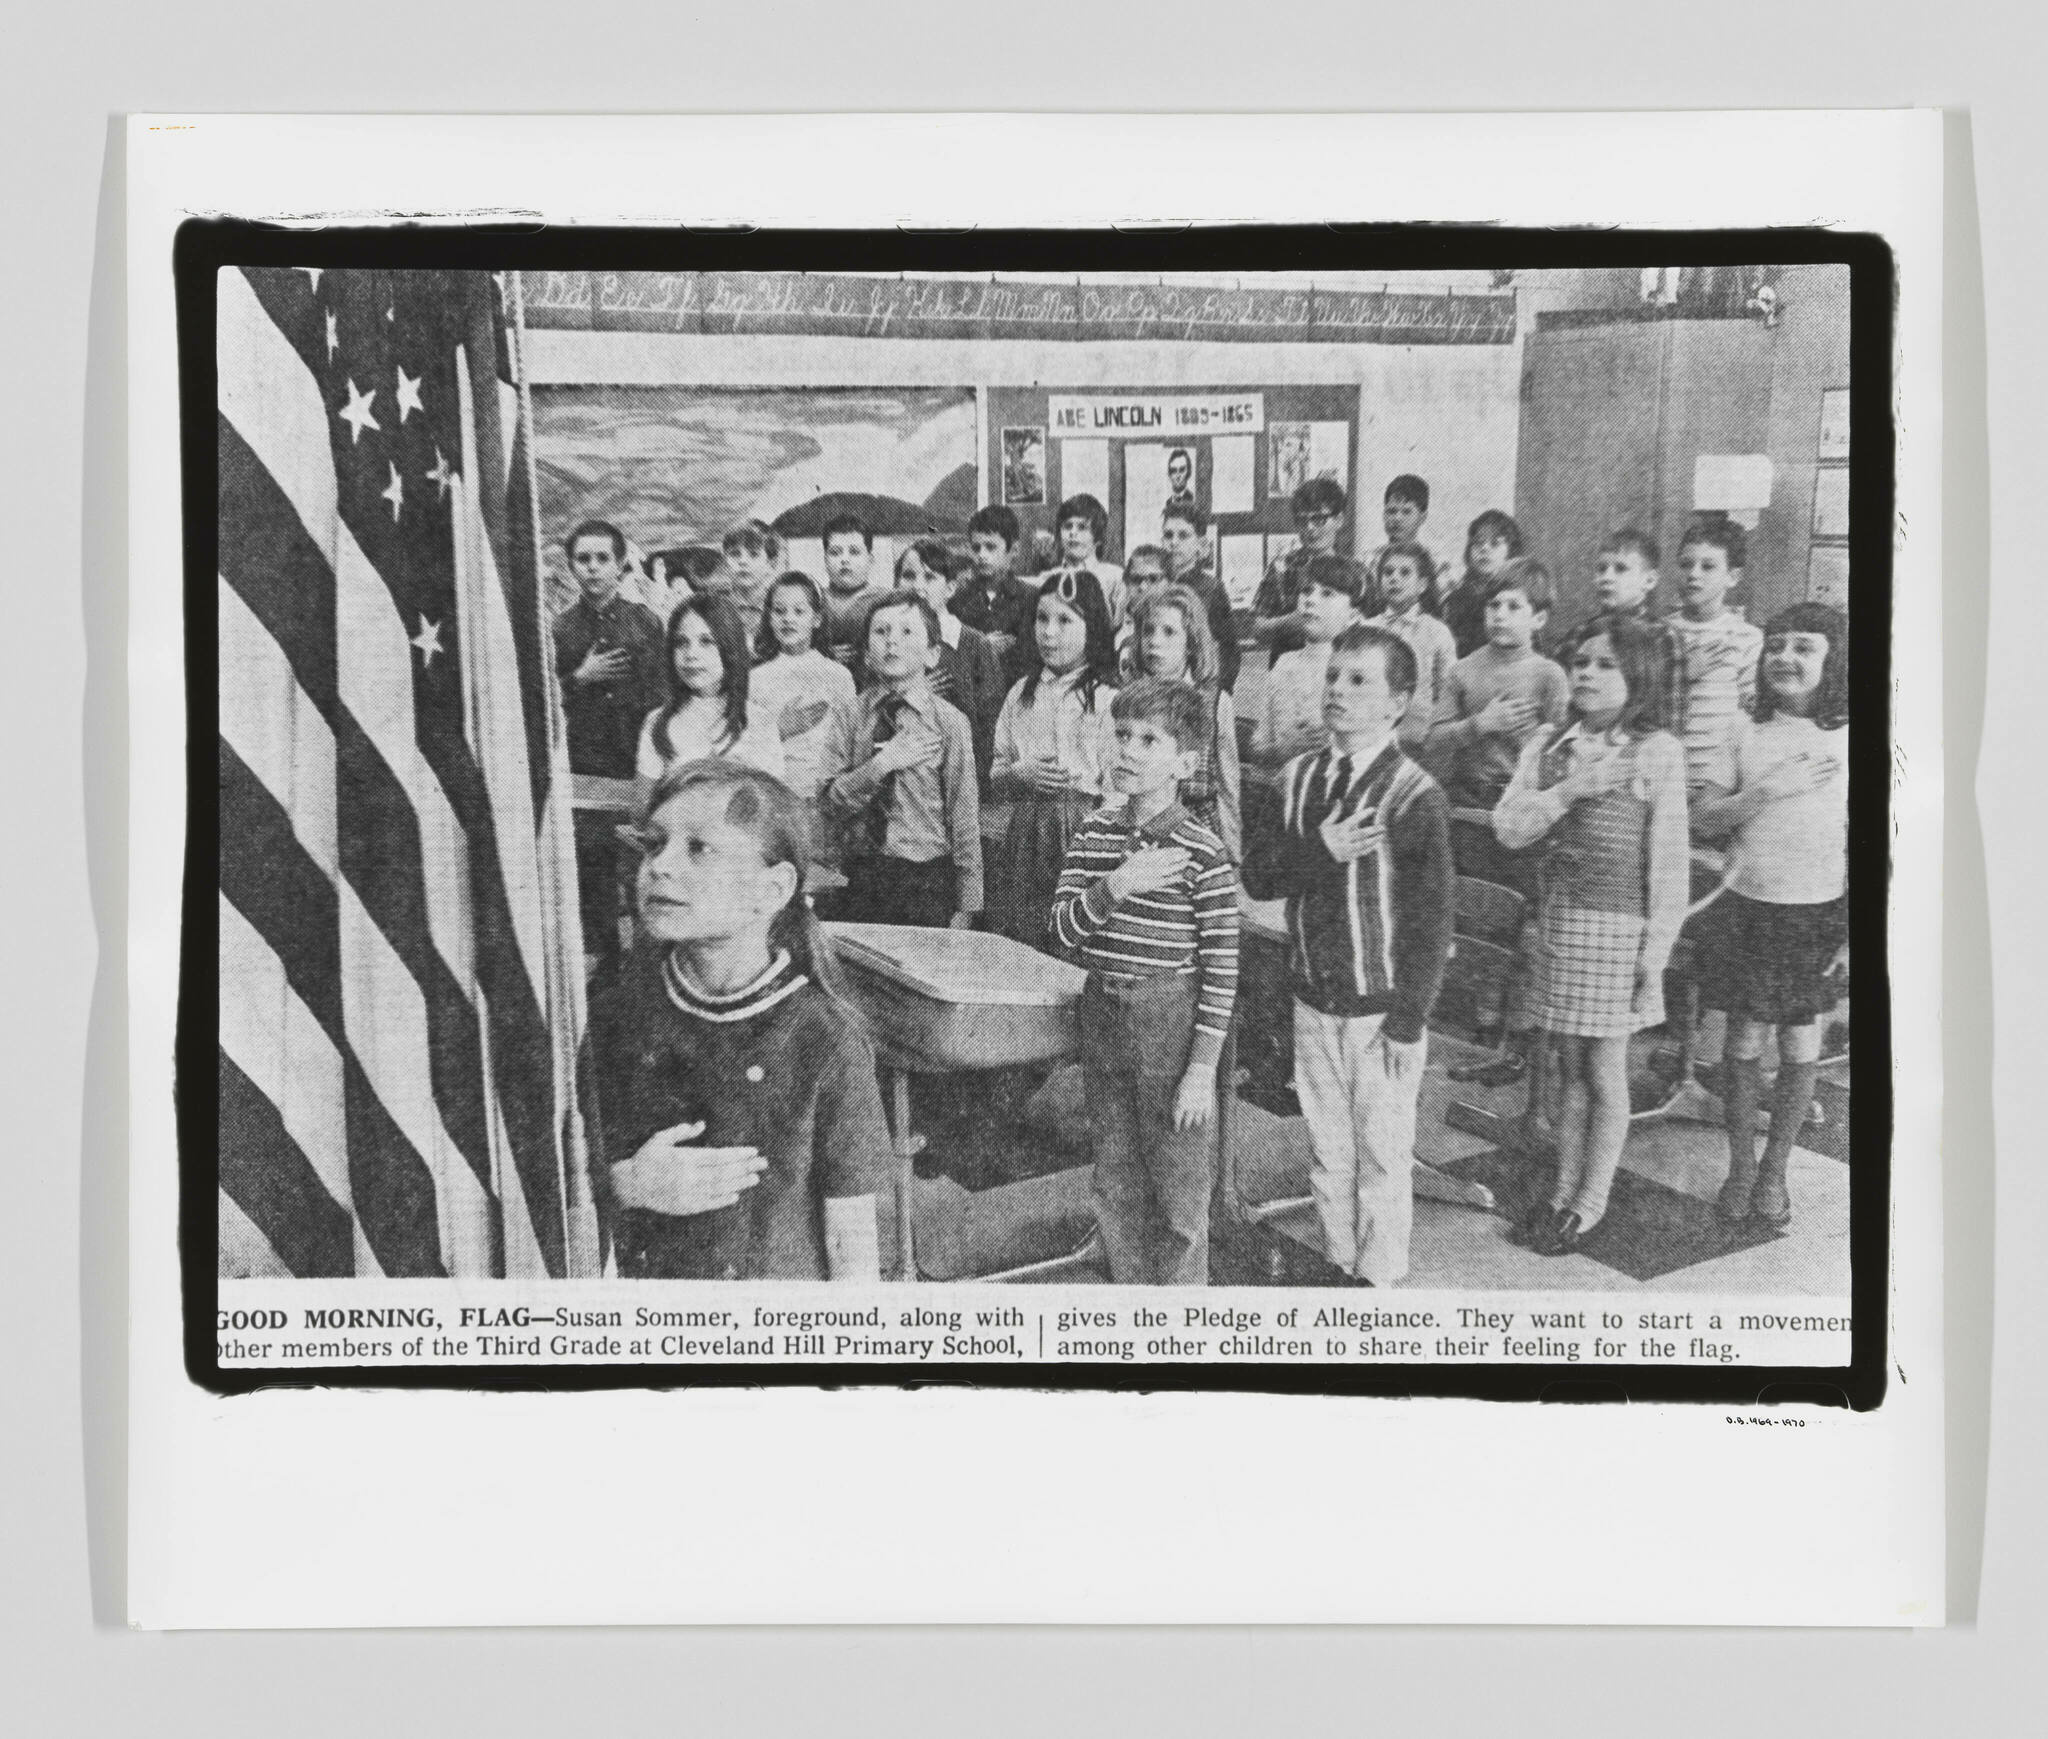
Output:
x=674 y=466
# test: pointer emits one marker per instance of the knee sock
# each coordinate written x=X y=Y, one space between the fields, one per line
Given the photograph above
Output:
x=1789 y=1106
x=1742 y=1088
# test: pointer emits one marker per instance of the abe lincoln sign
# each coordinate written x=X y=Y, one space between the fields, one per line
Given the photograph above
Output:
x=1153 y=414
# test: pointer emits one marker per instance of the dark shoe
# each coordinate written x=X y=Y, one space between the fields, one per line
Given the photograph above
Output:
x=1564 y=1237
x=1534 y=1225
x=1731 y=1206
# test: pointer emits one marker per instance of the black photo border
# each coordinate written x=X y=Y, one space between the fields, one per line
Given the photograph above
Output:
x=204 y=246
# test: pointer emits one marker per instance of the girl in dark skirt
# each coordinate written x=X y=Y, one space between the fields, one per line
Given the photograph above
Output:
x=1773 y=947
x=1053 y=746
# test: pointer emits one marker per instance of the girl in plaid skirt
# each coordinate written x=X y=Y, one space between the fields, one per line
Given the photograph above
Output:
x=1607 y=792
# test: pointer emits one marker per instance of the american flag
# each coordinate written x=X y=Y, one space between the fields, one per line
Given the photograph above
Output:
x=401 y=993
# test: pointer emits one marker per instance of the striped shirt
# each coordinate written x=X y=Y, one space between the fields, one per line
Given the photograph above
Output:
x=1720 y=660
x=1188 y=927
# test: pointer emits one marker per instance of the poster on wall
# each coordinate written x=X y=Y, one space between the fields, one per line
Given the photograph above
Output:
x=1180 y=477
x=1287 y=445
x=1024 y=467
x=1831 y=501
x=1230 y=474
x=1145 y=492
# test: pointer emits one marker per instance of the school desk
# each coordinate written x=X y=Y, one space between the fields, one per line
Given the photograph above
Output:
x=948 y=1002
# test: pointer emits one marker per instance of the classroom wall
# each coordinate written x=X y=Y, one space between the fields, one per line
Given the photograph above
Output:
x=1809 y=354
x=1446 y=412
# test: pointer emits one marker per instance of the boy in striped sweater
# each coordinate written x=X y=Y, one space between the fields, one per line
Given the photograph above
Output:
x=1148 y=898
x=1363 y=859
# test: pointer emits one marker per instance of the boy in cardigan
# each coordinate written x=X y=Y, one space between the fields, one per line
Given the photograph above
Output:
x=1363 y=858
x=1148 y=898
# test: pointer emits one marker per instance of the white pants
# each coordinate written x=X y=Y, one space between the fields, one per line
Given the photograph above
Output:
x=1363 y=1126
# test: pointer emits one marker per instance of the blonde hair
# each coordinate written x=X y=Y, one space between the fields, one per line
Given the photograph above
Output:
x=1204 y=666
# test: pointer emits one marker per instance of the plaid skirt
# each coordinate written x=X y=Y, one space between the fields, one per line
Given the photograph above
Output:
x=1585 y=966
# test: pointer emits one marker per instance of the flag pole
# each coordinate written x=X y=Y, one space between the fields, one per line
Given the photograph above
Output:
x=566 y=1007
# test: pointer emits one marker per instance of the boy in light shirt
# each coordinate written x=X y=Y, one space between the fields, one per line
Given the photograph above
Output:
x=1405 y=571
x=1290 y=720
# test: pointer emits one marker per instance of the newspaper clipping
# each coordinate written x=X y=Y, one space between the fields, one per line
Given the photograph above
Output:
x=1257 y=824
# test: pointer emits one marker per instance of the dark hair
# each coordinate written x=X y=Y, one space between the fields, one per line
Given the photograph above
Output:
x=773 y=816
x=930 y=554
x=1203 y=666
x=729 y=635
x=1088 y=508
x=1425 y=563
x=754 y=535
x=997 y=519
x=1409 y=487
x=1397 y=657
x=1188 y=513
x=1319 y=494
x=1525 y=574
x=1335 y=573
x=1149 y=552
x=1831 y=700
x=766 y=646
x=1717 y=531
x=1631 y=540
x=902 y=600
x=1494 y=523
x=1177 y=707
x=596 y=528
x=1081 y=592
x=845 y=522
x=1187 y=453
x=1639 y=655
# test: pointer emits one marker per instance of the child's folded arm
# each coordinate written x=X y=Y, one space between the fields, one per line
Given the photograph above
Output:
x=1525 y=813
x=1660 y=758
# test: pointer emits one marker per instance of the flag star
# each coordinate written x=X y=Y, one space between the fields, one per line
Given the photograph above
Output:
x=394 y=492
x=441 y=476
x=409 y=395
x=428 y=640
x=356 y=413
x=312 y=277
x=333 y=337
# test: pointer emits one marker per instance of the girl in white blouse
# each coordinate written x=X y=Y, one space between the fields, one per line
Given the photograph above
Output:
x=707 y=716
x=1052 y=749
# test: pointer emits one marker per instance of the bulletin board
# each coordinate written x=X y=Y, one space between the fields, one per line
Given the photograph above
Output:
x=1248 y=446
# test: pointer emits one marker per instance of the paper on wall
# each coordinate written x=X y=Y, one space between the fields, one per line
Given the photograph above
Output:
x=1230 y=475
x=1145 y=492
x=807 y=556
x=1084 y=469
x=1243 y=566
x=1329 y=452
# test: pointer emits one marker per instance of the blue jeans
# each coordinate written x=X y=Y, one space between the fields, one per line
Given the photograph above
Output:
x=1152 y=1181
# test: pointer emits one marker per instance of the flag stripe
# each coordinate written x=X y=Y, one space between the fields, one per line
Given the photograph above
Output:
x=266 y=1174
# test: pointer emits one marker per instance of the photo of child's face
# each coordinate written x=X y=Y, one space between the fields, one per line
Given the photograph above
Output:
x=991 y=554
x=1622 y=579
x=1146 y=758
x=1357 y=702
x=1794 y=665
x=1164 y=646
x=1324 y=613
x=751 y=569
x=1318 y=530
x=1183 y=545
x=1400 y=583
x=1061 y=634
x=701 y=878
x=1077 y=541
x=1599 y=690
x=1703 y=579
x=698 y=666
x=899 y=646
x=1510 y=622
x=1402 y=518
x=846 y=561
x=791 y=619
x=596 y=565
x=1488 y=554
x=928 y=583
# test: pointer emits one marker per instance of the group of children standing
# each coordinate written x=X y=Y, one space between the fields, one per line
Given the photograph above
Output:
x=875 y=724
